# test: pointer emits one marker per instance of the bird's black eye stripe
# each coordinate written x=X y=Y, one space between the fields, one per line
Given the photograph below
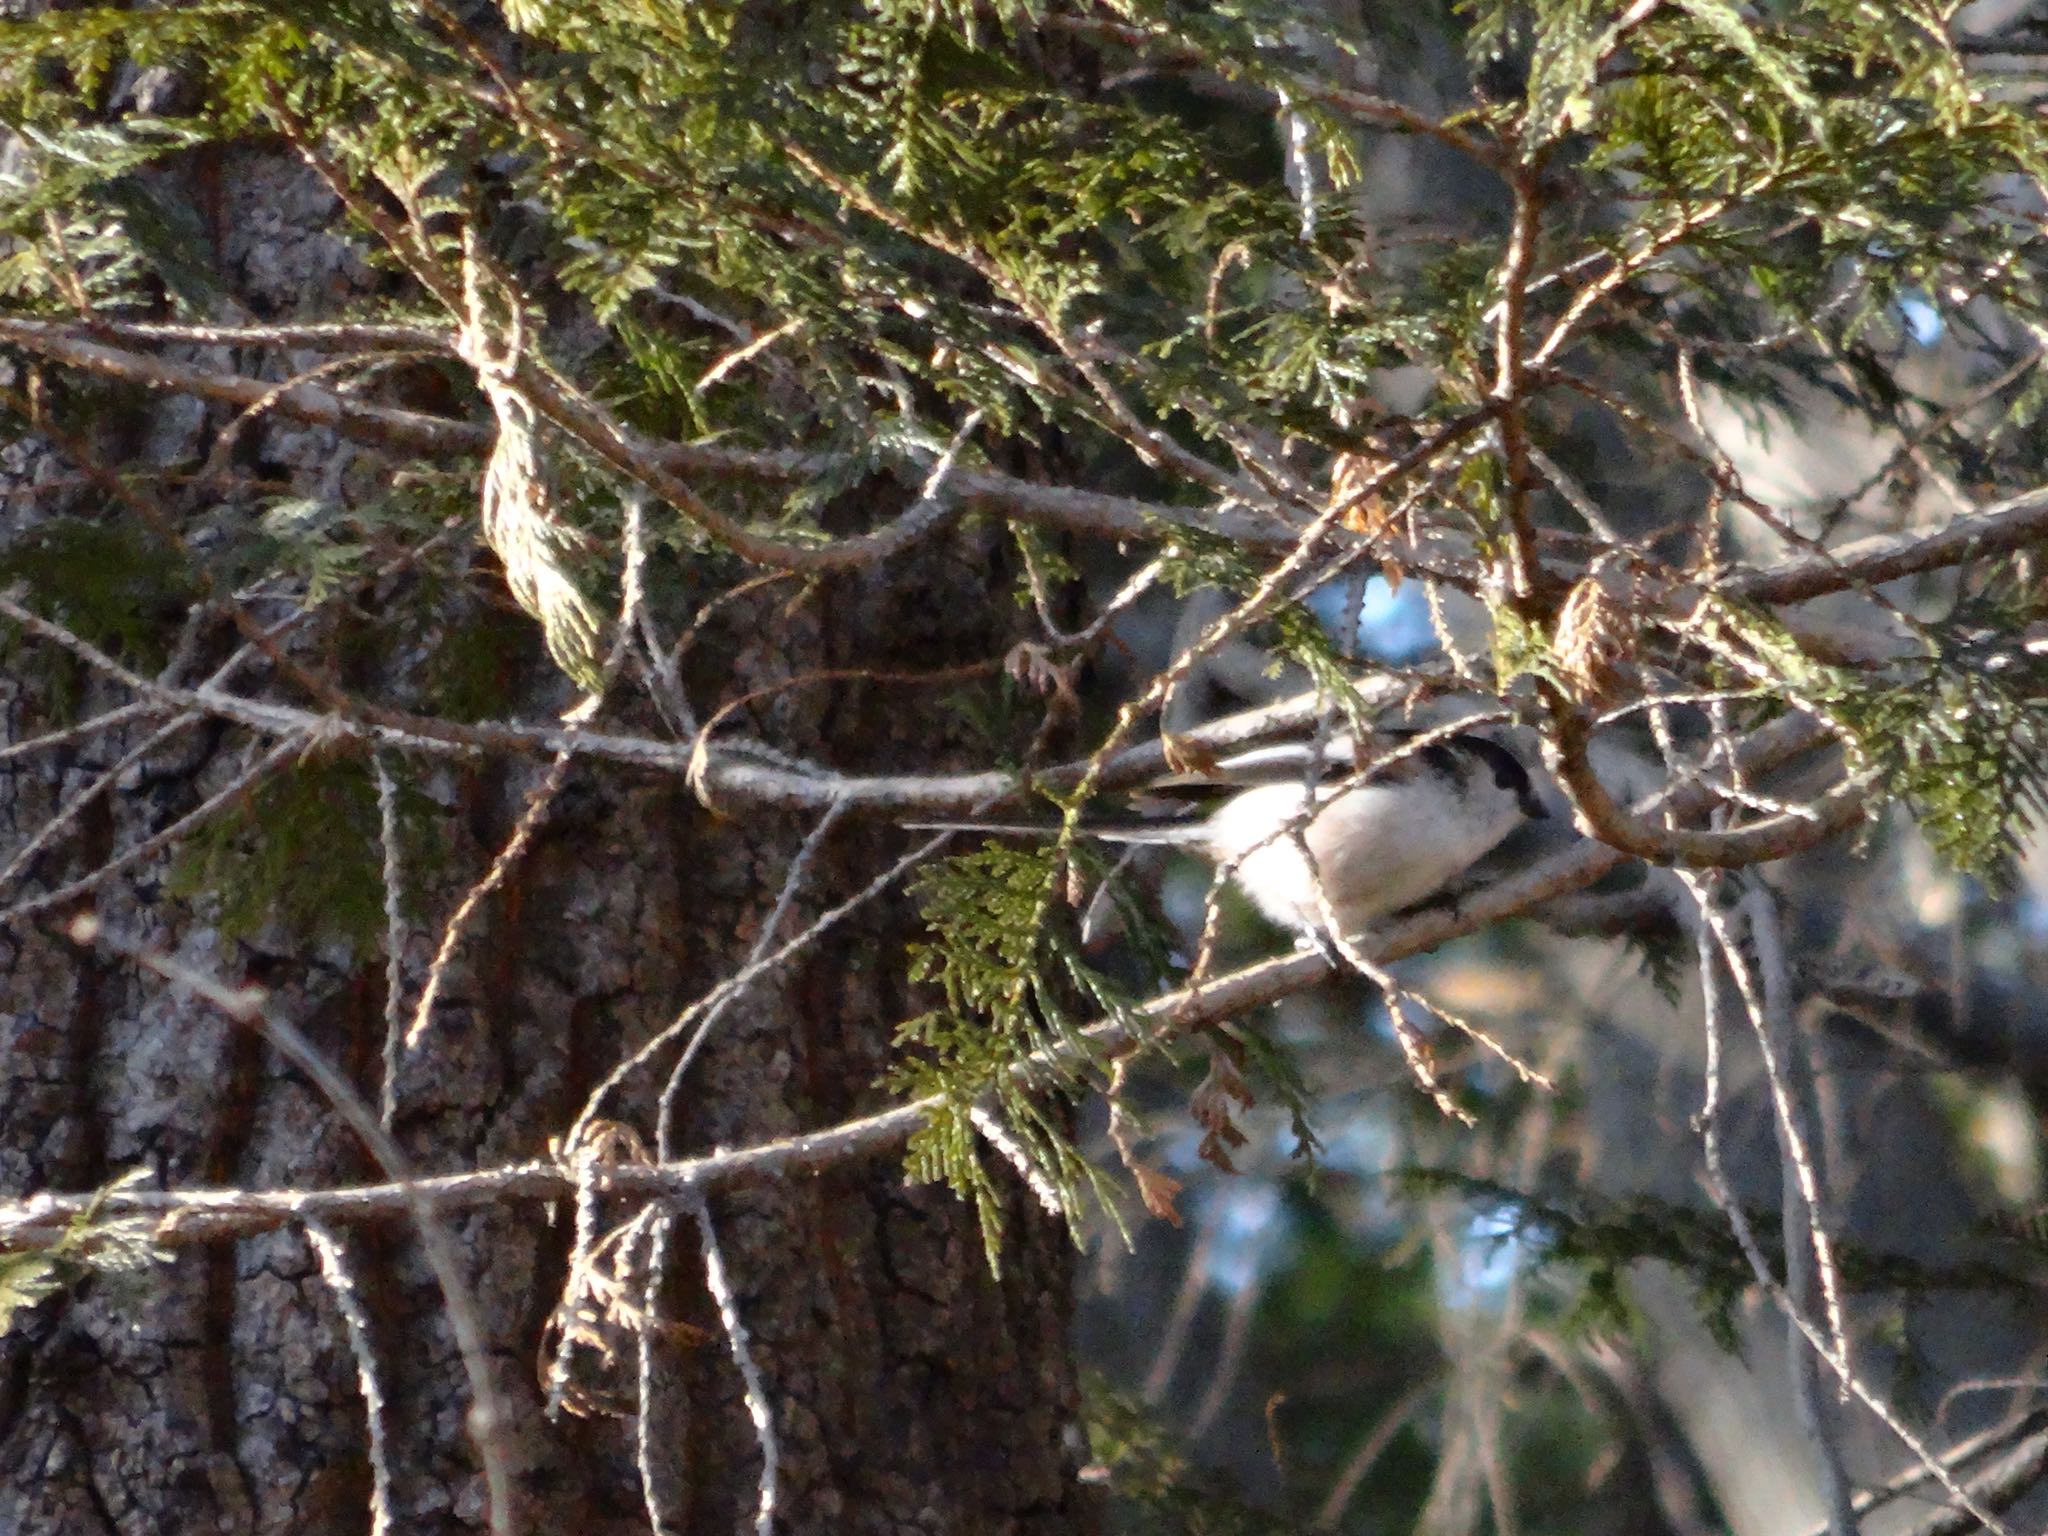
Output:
x=1508 y=772
x=1441 y=757
x=1335 y=762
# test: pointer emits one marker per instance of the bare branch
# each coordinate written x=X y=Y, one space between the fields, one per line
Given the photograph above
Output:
x=735 y=771
x=1745 y=1237
x=2000 y=1486
x=192 y=1216
x=756 y=965
x=341 y=1284
x=70 y=811
x=1599 y=815
x=2015 y=523
x=2031 y=1428
x=652 y=1496
x=394 y=939
x=112 y=720
x=759 y=1408
x=1370 y=1448
x=149 y=847
x=655 y=464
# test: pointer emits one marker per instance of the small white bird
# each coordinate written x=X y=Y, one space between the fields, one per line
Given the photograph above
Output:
x=1302 y=820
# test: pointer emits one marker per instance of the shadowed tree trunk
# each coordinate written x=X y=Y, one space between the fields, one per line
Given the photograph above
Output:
x=909 y=1390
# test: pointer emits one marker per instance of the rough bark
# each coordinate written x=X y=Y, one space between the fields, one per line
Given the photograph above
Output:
x=911 y=1390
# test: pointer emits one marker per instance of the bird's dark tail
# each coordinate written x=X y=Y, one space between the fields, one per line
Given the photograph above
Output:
x=1168 y=833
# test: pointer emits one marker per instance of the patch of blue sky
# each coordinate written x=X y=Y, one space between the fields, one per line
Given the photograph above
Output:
x=1391 y=626
x=2033 y=915
x=1923 y=321
x=1359 y=1144
x=1248 y=1229
x=1489 y=1257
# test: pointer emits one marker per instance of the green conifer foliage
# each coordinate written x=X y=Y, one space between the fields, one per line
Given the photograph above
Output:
x=808 y=285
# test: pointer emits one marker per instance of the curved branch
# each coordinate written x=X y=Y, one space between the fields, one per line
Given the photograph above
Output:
x=736 y=770
x=1999 y=529
x=384 y=425
x=656 y=465
x=195 y=1216
x=1600 y=816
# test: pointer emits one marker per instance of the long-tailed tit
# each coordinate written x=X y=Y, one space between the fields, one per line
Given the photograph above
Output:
x=1301 y=828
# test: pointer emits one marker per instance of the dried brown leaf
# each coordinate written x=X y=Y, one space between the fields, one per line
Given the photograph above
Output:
x=1353 y=489
x=1157 y=1190
x=1595 y=640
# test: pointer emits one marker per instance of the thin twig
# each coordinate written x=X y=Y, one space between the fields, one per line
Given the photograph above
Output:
x=752 y=969
x=1370 y=1448
x=1180 y=1320
x=1745 y=1236
x=652 y=1497
x=193 y=1216
x=1999 y=1486
x=1011 y=1151
x=542 y=798
x=112 y=720
x=1229 y=1358
x=76 y=806
x=394 y=939
x=291 y=747
x=759 y=1408
x=538 y=802
x=1757 y=1008
x=1915 y=1478
x=707 y=1007
x=348 y=1301
x=1809 y=1268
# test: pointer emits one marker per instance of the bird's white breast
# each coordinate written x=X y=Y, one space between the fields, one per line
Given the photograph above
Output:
x=1375 y=847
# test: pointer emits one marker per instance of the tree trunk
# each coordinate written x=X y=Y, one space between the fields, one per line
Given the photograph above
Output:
x=216 y=1392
